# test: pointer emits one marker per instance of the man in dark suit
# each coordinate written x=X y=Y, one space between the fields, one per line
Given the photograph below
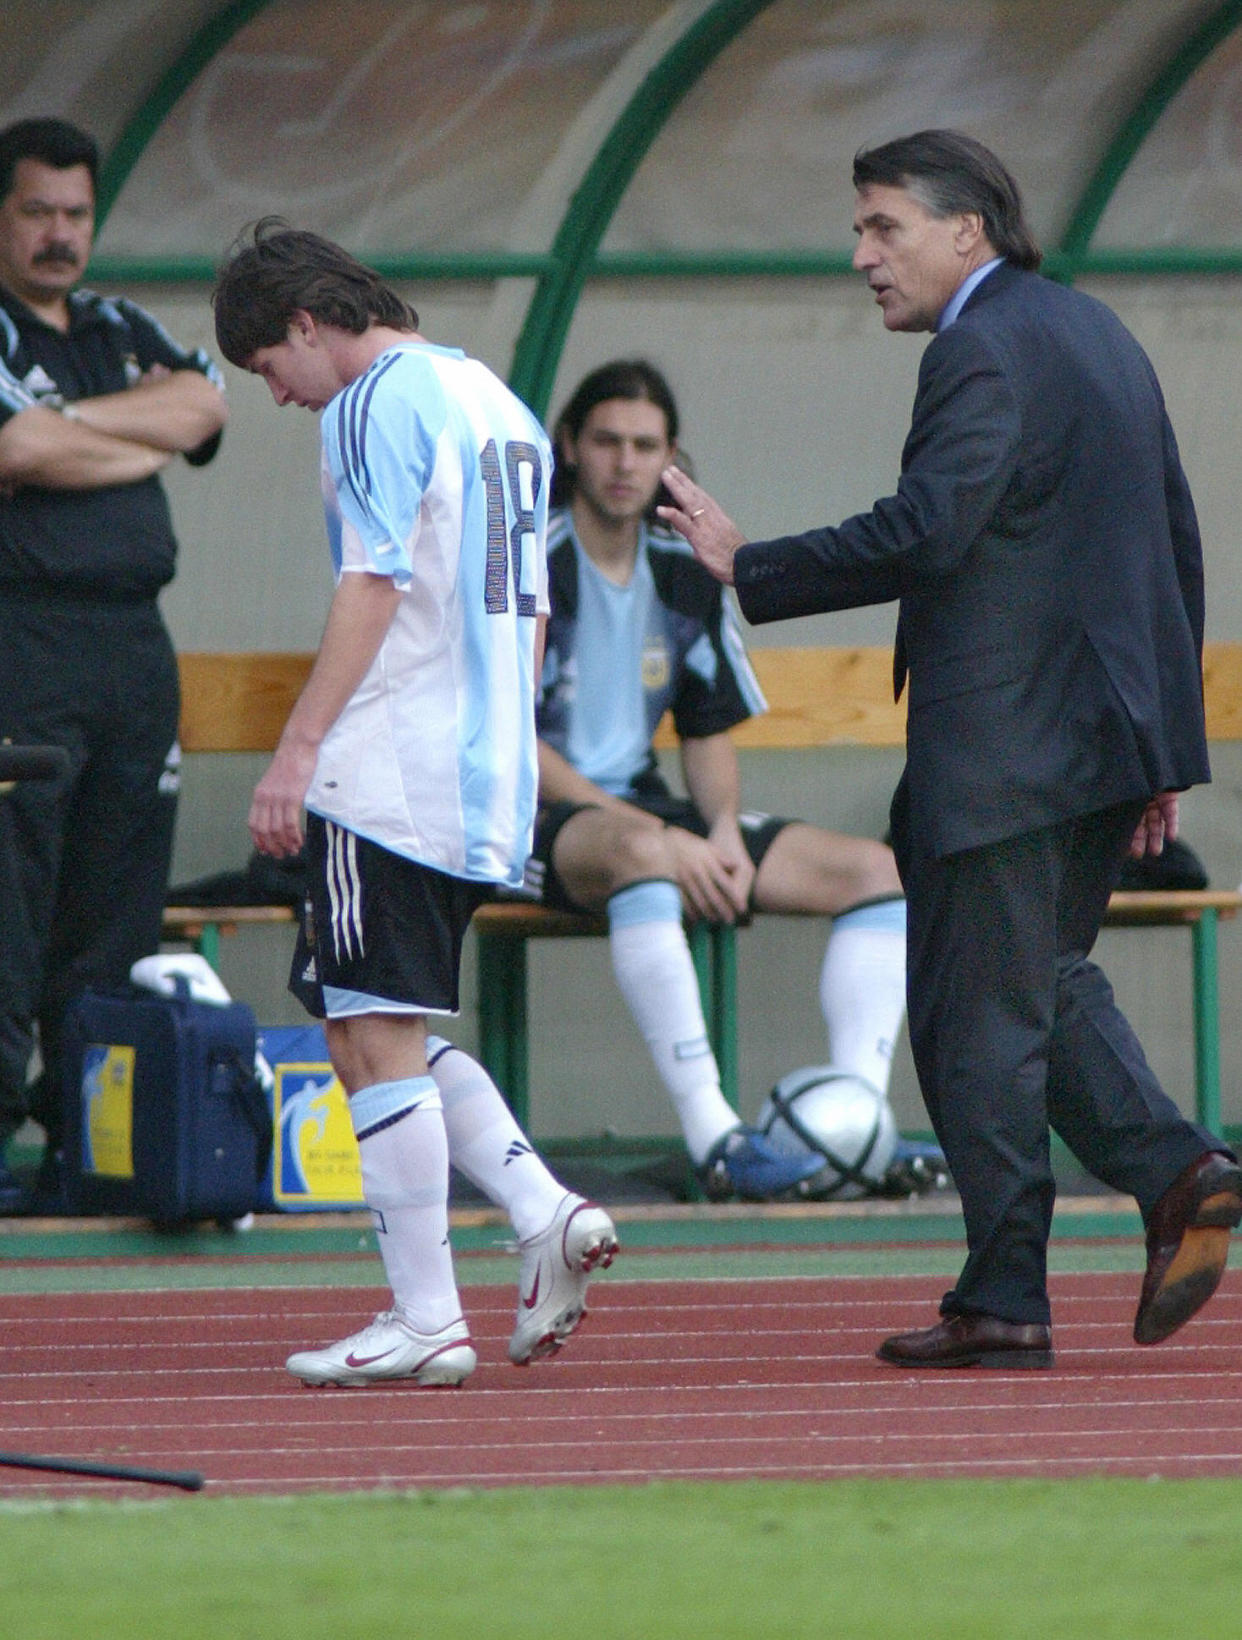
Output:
x=1043 y=546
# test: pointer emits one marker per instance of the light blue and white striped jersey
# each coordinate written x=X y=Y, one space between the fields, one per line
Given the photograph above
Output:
x=619 y=657
x=436 y=474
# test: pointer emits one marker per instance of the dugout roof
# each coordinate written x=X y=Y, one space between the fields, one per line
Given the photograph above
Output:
x=552 y=142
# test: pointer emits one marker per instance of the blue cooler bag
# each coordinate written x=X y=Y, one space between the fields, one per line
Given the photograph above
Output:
x=165 y=1118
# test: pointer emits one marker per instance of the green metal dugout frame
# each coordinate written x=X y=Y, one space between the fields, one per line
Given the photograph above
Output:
x=1207 y=1021
x=503 y=978
x=1200 y=912
x=573 y=259
x=1141 y=121
x=204 y=46
x=542 y=339
x=485 y=267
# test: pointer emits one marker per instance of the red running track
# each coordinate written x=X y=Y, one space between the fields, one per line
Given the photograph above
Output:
x=675 y=1380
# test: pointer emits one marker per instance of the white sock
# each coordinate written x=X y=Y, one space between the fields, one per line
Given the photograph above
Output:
x=655 y=973
x=486 y=1143
x=862 y=989
x=404 y=1150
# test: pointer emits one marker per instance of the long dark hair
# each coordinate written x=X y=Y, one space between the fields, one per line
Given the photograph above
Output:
x=951 y=173
x=618 y=379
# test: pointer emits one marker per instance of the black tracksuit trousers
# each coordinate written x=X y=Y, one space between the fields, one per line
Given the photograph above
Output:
x=83 y=862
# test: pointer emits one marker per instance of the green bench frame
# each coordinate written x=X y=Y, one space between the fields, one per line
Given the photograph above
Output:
x=504 y=929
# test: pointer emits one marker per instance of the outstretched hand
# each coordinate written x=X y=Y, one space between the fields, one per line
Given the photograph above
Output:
x=712 y=534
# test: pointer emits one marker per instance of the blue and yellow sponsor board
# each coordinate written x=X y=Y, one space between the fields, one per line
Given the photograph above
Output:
x=315 y=1163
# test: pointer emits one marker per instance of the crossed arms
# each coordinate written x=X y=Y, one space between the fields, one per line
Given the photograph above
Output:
x=117 y=438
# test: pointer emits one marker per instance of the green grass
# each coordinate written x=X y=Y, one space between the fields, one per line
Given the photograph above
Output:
x=753 y=1560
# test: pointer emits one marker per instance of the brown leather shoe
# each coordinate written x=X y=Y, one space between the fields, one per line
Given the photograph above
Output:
x=1187 y=1245
x=971 y=1341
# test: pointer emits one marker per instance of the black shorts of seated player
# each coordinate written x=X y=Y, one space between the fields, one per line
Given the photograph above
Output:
x=759 y=832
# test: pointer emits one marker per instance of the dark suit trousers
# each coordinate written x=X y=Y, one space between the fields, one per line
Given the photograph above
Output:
x=1015 y=1031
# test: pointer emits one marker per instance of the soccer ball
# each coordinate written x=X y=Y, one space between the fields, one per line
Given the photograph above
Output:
x=826 y=1112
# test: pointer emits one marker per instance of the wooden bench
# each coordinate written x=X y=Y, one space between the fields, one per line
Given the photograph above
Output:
x=232 y=703
x=816 y=698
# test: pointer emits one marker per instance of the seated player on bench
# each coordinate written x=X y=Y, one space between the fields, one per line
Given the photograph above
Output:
x=637 y=628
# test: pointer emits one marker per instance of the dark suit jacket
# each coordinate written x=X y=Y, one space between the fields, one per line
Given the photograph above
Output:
x=1044 y=548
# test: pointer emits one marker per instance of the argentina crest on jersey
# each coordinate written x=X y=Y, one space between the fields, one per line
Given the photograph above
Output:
x=656 y=662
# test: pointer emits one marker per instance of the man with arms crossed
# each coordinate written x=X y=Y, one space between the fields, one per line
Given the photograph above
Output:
x=1043 y=546
x=412 y=749
x=637 y=627
x=95 y=401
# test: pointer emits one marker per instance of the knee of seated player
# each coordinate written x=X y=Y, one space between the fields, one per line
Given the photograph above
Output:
x=600 y=852
x=822 y=873
x=876 y=870
x=369 y=1048
x=642 y=854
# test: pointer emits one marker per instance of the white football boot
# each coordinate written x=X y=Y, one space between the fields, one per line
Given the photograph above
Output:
x=388 y=1349
x=557 y=1266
